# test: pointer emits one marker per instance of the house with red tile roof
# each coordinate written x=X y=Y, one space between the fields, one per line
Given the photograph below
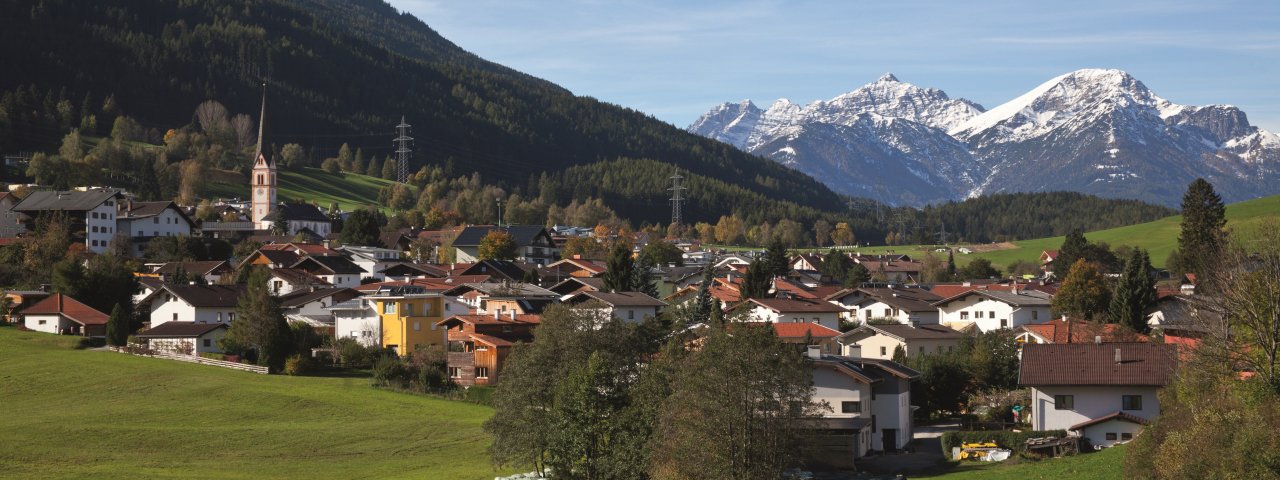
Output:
x=1061 y=330
x=480 y=343
x=1103 y=392
x=64 y=315
x=792 y=310
x=882 y=340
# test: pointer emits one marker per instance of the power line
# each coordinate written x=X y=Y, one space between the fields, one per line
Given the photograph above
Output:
x=402 y=151
x=677 y=198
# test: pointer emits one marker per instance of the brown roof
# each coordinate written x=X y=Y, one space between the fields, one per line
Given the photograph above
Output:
x=489 y=319
x=619 y=299
x=786 y=305
x=298 y=276
x=194 y=268
x=1082 y=364
x=1055 y=331
x=59 y=304
x=180 y=329
x=801 y=329
x=206 y=296
x=907 y=332
x=1111 y=416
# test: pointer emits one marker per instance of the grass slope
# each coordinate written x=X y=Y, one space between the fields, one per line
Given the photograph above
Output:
x=1107 y=464
x=1159 y=237
x=350 y=190
x=93 y=414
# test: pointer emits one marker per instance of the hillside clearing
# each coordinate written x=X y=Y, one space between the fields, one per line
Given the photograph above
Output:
x=76 y=414
x=312 y=185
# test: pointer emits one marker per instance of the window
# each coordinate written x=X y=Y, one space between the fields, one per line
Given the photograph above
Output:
x=884 y=351
x=408 y=310
x=1064 y=402
x=964 y=315
x=977 y=315
x=991 y=314
x=873 y=423
x=219 y=317
x=155 y=220
x=175 y=316
x=417 y=326
x=231 y=316
x=42 y=322
x=482 y=372
x=208 y=342
x=448 y=307
x=887 y=312
x=921 y=350
x=1131 y=402
x=94 y=229
x=455 y=372
x=631 y=314
x=1111 y=435
x=1035 y=314
x=1004 y=323
x=851 y=407
x=1126 y=436
x=388 y=307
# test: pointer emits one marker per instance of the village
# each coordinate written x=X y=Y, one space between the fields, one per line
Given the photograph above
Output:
x=479 y=292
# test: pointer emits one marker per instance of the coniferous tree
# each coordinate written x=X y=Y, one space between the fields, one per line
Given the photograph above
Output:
x=642 y=278
x=260 y=326
x=836 y=265
x=951 y=264
x=619 y=269
x=857 y=275
x=389 y=169
x=758 y=280
x=1134 y=293
x=1072 y=249
x=1203 y=221
x=777 y=263
x=375 y=168
x=703 y=303
x=345 y=157
x=118 y=327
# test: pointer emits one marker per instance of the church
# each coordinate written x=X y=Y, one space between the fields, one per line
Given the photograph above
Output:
x=265 y=210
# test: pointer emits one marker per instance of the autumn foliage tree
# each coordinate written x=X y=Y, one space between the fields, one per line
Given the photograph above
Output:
x=1084 y=294
x=497 y=245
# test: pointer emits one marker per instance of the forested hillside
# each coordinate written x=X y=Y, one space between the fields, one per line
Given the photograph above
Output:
x=339 y=72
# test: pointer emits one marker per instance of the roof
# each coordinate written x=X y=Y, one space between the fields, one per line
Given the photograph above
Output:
x=150 y=209
x=74 y=201
x=574 y=284
x=523 y=234
x=1120 y=416
x=180 y=329
x=196 y=268
x=1020 y=298
x=803 y=329
x=304 y=212
x=504 y=289
x=788 y=305
x=297 y=276
x=1080 y=364
x=490 y=319
x=908 y=299
x=906 y=332
x=300 y=248
x=1055 y=331
x=334 y=264
x=294 y=299
x=206 y=296
x=497 y=268
x=618 y=299
x=59 y=304
x=594 y=267
x=796 y=291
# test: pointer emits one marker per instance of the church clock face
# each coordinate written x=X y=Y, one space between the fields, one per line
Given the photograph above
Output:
x=261 y=192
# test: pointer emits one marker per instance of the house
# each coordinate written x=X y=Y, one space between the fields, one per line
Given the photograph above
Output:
x=64 y=315
x=285 y=281
x=143 y=221
x=192 y=303
x=627 y=306
x=807 y=261
x=1104 y=392
x=870 y=401
x=1061 y=330
x=372 y=260
x=18 y=299
x=1183 y=319
x=488 y=297
x=405 y=271
x=791 y=310
x=408 y=318
x=802 y=335
x=356 y=319
x=499 y=270
x=573 y=285
x=994 y=309
x=91 y=213
x=1046 y=260
x=300 y=217
x=184 y=338
x=10 y=222
x=210 y=271
x=316 y=302
x=577 y=267
x=882 y=340
x=731 y=260
x=336 y=270
x=534 y=244
x=479 y=344
x=899 y=304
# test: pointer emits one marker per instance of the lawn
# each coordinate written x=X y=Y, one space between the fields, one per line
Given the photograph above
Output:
x=1107 y=464
x=350 y=190
x=78 y=414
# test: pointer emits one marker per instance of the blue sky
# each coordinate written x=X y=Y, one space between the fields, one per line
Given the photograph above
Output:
x=676 y=59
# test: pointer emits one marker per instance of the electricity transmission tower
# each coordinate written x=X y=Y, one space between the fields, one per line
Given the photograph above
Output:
x=677 y=198
x=402 y=151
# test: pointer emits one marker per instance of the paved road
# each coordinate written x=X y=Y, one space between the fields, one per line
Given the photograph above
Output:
x=928 y=452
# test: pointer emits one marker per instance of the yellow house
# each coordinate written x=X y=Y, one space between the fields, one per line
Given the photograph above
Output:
x=409 y=316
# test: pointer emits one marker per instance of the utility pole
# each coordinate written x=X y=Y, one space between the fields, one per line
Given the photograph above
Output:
x=402 y=151
x=677 y=198
x=942 y=234
x=499 y=212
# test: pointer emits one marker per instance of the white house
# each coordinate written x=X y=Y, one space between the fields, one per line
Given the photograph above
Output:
x=794 y=310
x=356 y=319
x=373 y=260
x=994 y=309
x=62 y=314
x=627 y=306
x=285 y=281
x=337 y=270
x=905 y=305
x=143 y=221
x=881 y=341
x=1104 y=392
x=92 y=213
x=315 y=303
x=874 y=390
x=193 y=303
x=186 y=338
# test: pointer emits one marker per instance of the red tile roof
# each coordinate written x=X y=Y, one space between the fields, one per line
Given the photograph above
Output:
x=787 y=305
x=801 y=329
x=59 y=304
x=1055 y=331
x=1086 y=364
x=1124 y=417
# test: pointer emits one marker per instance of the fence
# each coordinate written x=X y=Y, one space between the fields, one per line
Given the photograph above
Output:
x=199 y=360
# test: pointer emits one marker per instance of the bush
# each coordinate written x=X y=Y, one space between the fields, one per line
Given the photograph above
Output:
x=213 y=356
x=480 y=395
x=389 y=372
x=1016 y=441
x=296 y=365
x=90 y=342
x=353 y=353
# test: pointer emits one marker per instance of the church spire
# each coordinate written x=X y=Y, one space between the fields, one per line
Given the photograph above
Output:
x=262 y=120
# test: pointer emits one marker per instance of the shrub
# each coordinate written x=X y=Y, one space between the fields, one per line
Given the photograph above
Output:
x=1016 y=441
x=90 y=342
x=213 y=356
x=296 y=365
x=480 y=395
x=389 y=372
x=353 y=353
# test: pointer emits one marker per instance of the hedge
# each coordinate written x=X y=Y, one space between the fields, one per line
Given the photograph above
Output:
x=480 y=395
x=1016 y=441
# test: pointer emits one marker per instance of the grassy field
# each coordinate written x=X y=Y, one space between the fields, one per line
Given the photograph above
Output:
x=1107 y=464
x=1159 y=237
x=350 y=190
x=80 y=414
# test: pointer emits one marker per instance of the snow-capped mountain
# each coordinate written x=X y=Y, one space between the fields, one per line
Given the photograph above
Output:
x=1095 y=131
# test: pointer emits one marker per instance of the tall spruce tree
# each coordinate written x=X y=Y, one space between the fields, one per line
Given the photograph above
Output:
x=777 y=262
x=260 y=326
x=1134 y=293
x=118 y=327
x=619 y=269
x=1073 y=248
x=758 y=280
x=703 y=303
x=642 y=278
x=1203 y=221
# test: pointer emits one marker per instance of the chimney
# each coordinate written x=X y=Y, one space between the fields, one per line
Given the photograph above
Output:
x=496 y=315
x=814 y=351
x=1098 y=340
x=1118 y=359
x=511 y=314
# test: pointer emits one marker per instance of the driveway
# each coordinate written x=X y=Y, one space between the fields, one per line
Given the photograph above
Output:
x=927 y=452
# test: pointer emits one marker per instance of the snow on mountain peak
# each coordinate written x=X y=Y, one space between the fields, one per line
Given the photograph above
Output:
x=887 y=78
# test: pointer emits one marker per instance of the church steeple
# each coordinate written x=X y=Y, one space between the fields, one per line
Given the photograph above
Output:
x=262 y=181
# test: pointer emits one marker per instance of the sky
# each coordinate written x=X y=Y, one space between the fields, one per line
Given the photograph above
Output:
x=675 y=59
